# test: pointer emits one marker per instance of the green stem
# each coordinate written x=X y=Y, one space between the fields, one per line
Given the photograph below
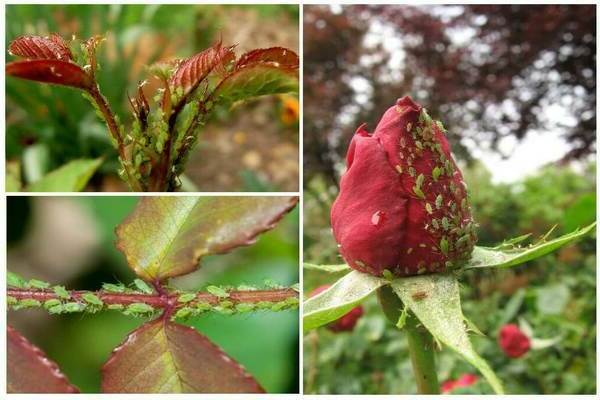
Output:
x=420 y=342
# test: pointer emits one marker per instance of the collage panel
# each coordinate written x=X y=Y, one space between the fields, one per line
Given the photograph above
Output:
x=449 y=199
x=152 y=98
x=152 y=294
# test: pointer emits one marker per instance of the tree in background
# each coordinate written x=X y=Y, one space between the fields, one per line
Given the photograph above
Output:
x=492 y=71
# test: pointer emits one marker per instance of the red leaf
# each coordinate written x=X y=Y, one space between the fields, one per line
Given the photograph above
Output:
x=283 y=57
x=52 y=47
x=164 y=357
x=28 y=369
x=50 y=71
x=192 y=71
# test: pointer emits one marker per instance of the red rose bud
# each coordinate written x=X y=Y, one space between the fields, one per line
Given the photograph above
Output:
x=513 y=341
x=465 y=380
x=403 y=204
x=347 y=322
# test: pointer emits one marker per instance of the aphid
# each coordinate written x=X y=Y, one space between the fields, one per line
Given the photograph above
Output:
x=92 y=299
x=444 y=245
x=28 y=303
x=438 y=201
x=428 y=208
x=183 y=313
x=11 y=300
x=292 y=302
x=203 y=306
x=141 y=308
x=244 y=307
x=61 y=292
x=420 y=179
x=217 y=291
x=142 y=286
x=263 y=304
x=116 y=306
x=278 y=306
x=15 y=280
x=245 y=287
x=419 y=295
x=57 y=309
x=186 y=297
x=418 y=192
x=387 y=274
x=51 y=303
x=110 y=287
x=296 y=287
x=73 y=307
x=35 y=283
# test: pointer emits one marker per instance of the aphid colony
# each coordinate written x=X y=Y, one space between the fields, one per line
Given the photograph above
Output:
x=186 y=306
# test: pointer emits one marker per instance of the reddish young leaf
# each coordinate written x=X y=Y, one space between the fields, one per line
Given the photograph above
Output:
x=280 y=56
x=192 y=71
x=52 y=47
x=164 y=357
x=28 y=369
x=50 y=71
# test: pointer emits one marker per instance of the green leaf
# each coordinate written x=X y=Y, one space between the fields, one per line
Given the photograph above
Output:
x=435 y=301
x=257 y=80
x=167 y=236
x=164 y=357
x=71 y=177
x=327 y=268
x=340 y=298
x=503 y=257
x=29 y=370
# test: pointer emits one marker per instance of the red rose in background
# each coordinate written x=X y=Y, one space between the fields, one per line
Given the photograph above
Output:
x=403 y=203
x=465 y=380
x=513 y=341
x=345 y=323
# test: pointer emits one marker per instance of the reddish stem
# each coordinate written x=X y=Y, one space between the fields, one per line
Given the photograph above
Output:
x=160 y=301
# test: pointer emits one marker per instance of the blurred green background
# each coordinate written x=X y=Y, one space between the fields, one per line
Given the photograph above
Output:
x=47 y=126
x=556 y=295
x=70 y=241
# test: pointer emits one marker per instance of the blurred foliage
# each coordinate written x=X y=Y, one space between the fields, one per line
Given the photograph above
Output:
x=265 y=343
x=47 y=126
x=554 y=294
x=490 y=71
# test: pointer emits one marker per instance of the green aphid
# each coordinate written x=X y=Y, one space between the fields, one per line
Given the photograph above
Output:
x=140 y=308
x=295 y=287
x=263 y=305
x=48 y=304
x=402 y=319
x=73 y=307
x=411 y=171
x=36 y=283
x=387 y=274
x=92 y=299
x=463 y=240
x=226 y=304
x=203 y=306
x=217 y=291
x=292 y=302
x=28 y=303
x=440 y=125
x=420 y=179
x=142 y=286
x=428 y=208
x=116 y=307
x=57 y=309
x=244 y=307
x=186 y=297
x=15 y=280
x=435 y=173
x=419 y=145
x=418 y=192
x=111 y=287
x=445 y=223
x=438 y=201
x=435 y=223
x=224 y=311
x=61 y=292
x=11 y=300
x=444 y=245
x=271 y=284
x=184 y=313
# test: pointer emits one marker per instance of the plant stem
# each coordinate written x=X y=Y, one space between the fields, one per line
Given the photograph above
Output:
x=113 y=128
x=157 y=300
x=420 y=347
x=420 y=342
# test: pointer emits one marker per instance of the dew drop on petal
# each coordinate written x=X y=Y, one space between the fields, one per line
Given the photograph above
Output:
x=377 y=218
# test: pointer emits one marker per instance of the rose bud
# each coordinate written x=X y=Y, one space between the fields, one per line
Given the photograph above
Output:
x=345 y=323
x=465 y=380
x=513 y=341
x=403 y=204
